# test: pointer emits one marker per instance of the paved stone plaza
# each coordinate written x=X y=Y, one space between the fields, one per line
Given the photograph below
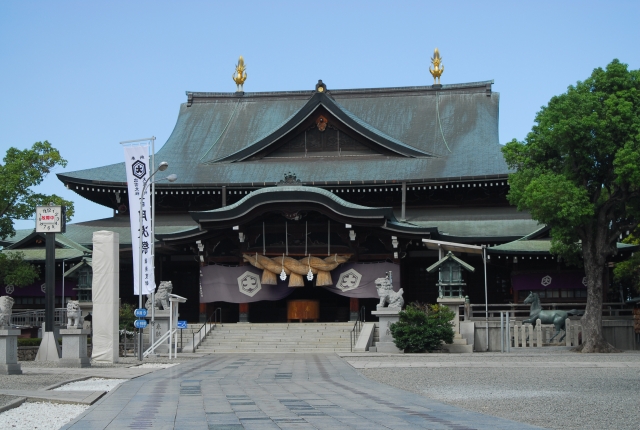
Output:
x=272 y=391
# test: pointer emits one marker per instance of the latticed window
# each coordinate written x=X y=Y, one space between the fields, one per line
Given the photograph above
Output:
x=85 y=281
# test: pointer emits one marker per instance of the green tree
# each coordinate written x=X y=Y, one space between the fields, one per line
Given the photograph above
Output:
x=627 y=272
x=578 y=171
x=23 y=169
x=126 y=317
x=15 y=271
x=423 y=327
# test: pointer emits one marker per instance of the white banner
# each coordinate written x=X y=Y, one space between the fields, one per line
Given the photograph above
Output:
x=137 y=162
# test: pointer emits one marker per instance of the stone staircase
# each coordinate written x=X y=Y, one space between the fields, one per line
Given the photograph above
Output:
x=459 y=345
x=278 y=337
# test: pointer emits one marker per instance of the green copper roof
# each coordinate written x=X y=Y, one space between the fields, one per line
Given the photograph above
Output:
x=457 y=125
x=39 y=254
x=450 y=256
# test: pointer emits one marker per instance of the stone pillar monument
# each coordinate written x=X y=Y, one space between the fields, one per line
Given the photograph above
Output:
x=8 y=340
x=106 y=275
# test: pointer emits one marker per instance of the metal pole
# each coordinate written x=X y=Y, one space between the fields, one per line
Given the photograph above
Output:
x=50 y=280
x=486 y=300
x=153 y=241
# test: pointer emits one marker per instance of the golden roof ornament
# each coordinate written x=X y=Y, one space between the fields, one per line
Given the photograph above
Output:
x=438 y=68
x=240 y=74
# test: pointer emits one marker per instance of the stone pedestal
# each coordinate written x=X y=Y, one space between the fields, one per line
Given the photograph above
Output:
x=387 y=316
x=74 y=348
x=460 y=342
x=9 y=352
x=49 y=349
x=160 y=328
x=453 y=303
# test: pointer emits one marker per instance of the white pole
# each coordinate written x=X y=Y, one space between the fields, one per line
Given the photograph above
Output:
x=153 y=241
x=486 y=300
x=170 y=325
x=140 y=266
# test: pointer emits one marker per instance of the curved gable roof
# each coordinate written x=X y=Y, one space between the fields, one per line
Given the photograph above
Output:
x=346 y=117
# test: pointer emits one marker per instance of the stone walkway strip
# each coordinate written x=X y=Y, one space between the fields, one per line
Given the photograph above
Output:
x=273 y=391
x=81 y=397
x=486 y=364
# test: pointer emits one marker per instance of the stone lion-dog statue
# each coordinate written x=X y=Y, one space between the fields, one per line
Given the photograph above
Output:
x=387 y=295
x=162 y=296
x=6 y=307
x=74 y=314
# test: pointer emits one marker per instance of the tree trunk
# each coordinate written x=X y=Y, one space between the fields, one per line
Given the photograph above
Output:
x=594 y=267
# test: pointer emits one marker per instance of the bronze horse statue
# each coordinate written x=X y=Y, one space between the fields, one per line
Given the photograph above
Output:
x=555 y=317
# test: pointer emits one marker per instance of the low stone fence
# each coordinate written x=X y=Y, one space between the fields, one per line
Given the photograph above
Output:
x=618 y=332
x=526 y=335
x=28 y=353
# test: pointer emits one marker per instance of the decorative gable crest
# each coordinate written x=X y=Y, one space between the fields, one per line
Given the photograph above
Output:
x=289 y=179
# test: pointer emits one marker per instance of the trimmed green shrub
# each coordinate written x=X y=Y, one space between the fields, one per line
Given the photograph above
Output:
x=34 y=341
x=423 y=327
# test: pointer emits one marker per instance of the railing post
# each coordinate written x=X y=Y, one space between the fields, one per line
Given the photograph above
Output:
x=567 y=332
x=508 y=334
x=501 y=331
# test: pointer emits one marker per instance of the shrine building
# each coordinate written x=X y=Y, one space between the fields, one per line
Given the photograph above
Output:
x=309 y=196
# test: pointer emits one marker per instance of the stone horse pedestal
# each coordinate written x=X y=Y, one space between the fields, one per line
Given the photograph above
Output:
x=74 y=348
x=9 y=352
x=386 y=317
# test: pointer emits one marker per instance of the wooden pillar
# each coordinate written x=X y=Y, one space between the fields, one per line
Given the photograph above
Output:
x=354 y=308
x=244 y=312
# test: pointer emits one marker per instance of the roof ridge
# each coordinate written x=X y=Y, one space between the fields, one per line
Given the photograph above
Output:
x=477 y=84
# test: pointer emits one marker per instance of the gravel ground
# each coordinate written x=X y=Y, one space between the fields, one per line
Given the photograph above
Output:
x=557 y=398
x=30 y=382
x=40 y=415
x=37 y=381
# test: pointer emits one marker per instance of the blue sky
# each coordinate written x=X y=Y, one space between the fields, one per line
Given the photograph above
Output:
x=87 y=75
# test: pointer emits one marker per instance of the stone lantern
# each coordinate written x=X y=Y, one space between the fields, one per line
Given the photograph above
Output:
x=451 y=293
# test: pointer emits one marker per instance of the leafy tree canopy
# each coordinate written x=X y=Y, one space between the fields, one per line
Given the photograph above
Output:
x=628 y=272
x=15 y=271
x=578 y=171
x=23 y=169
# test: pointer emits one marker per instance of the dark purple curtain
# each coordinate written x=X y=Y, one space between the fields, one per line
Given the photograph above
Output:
x=548 y=281
x=34 y=290
x=220 y=283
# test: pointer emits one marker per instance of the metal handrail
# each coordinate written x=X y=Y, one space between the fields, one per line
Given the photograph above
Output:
x=357 y=327
x=35 y=317
x=207 y=321
x=157 y=343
